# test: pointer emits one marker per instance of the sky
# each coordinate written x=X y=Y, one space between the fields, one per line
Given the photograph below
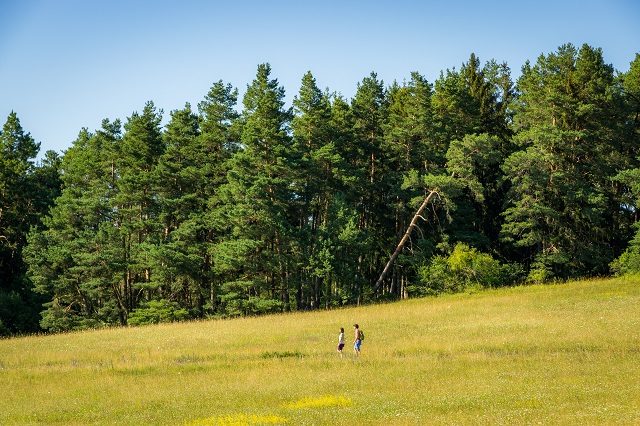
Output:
x=66 y=65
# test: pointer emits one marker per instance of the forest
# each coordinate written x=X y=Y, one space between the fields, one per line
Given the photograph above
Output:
x=245 y=209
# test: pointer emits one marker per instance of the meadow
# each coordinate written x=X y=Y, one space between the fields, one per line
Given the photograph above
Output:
x=560 y=354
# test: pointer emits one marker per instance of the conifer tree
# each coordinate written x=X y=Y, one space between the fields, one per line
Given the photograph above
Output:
x=320 y=176
x=341 y=255
x=629 y=177
x=19 y=210
x=137 y=201
x=409 y=149
x=74 y=260
x=178 y=183
x=218 y=142
x=562 y=206
x=471 y=107
x=370 y=109
x=18 y=151
x=313 y=178
x=257 y=199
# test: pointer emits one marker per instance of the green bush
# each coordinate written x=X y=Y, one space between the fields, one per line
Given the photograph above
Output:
x=157 y=311
x=465 y=268
x=629 y=261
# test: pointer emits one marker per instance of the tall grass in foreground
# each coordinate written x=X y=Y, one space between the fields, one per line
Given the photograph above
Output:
x=561 y=354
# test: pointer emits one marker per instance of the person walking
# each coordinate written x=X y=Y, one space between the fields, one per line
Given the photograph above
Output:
x=341 y=341
x=357 y=340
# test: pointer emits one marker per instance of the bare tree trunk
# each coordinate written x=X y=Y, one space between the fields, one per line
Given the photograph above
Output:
x=402 y=242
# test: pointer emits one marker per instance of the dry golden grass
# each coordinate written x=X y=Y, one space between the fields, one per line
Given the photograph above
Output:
x=561 y=354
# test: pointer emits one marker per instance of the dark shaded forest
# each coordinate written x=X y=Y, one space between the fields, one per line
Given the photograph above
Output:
x=232 y=210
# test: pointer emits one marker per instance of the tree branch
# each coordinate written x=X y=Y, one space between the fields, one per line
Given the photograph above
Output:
x=404 y=239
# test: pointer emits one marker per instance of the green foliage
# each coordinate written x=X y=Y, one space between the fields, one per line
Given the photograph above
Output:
x=282 y=354
x=467 y=159
x=629 y=261
x=564 y=213
x=27 y=191
x=157 y=311
x=465 y=268
x=275 y=209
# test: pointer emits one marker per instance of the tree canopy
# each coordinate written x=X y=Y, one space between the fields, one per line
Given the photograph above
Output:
x=246 y=209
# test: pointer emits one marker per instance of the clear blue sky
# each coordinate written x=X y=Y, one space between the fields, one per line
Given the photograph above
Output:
x=68 y=64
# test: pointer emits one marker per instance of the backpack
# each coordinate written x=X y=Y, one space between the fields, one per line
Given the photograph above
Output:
x=361 y=335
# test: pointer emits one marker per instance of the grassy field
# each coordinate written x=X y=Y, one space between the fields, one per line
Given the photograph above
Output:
x=558 y=354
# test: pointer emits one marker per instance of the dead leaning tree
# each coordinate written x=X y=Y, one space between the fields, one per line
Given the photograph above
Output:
x=404 y=239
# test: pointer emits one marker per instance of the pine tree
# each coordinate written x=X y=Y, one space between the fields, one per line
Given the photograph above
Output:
x=370 y=109
x=217 y=144
x=137 y=201
x=74 y=259
x=408 y=148
x=471 y=107
x=628 y=179
x=314 y=158
x=341 y=255
x=562 y=208
x=178 y=182
x=257 y=199
x=320 y=176
x=20 y=208
x=18 y=150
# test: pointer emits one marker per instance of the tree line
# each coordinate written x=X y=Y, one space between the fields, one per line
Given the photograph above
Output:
x=230 y=211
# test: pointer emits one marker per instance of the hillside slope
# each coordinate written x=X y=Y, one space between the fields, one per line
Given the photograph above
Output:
x=560 y=354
